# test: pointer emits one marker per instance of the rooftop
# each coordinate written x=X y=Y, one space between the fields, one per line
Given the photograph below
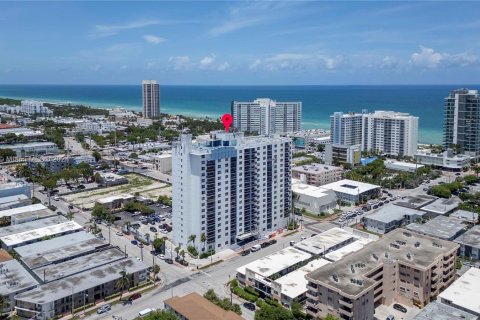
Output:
x=80 y=282
x=309 y=190
x=295 y=283
x=19 y=238
x=350 y=187
x=392 y=212
x=114 y=198
x=465 y=215
x=12 y=184
x=31 y=225
x=66 y=252
x=57 y=243
x=464 y=292
x=276 y=261
x=27 y=145
x=416 y=202
x=440 y=311
x=439 y=227
x=10 y=199
x=330 y=239
x=316 y=168
x=441 y=206
x=70 y=267
x=348 y=274
x=19 y=210
x=471 y=237
x=14 y=278
x=338 y=254
x=195 y=307
x=404 y=164
x=41 y=214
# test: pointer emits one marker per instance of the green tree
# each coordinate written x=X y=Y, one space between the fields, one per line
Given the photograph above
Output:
x=330 y=317
x=203 y=238
x=177 y=250
x=441 y=191
x=49 y=184
x=320 y=147
x=98 y=177
x=7 y=153
x=86 y=170
x=23 y=170
x=192 y=238
x=96 y=155
x=133 y=155
x=268 y=312
x=297 y=311
x=160 y=315
x=123 y=282
x=182 y=254
x=70 y=215
x=158 y=244
x=4 y=304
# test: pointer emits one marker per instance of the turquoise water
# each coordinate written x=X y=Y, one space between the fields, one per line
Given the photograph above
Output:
x=319 y=102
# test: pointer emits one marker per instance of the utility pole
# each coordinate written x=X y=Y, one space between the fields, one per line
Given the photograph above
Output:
x=141 y=252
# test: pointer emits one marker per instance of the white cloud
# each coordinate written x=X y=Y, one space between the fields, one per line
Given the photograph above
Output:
x=110 y=30
x=427 y=58
x=207 y=61
x=153 y=39
x=388 y=62
x=223 y=67
x=180 y=63
x=297 y=61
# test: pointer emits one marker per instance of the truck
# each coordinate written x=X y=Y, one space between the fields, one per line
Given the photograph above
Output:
x=144 y=312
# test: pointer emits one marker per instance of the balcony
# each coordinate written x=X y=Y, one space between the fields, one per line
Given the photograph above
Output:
x=345 y=303
x=348 y=313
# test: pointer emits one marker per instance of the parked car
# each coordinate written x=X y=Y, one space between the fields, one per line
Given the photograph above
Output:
x=273 y=241
x=264 y=245
x=153 y=229
x=400 y=308
x=245 y=252
x=135 y=296
x=256 y=248
x=134 y=242
x=390 y=317
x=70 y=206
x=169 y=261
x=104 y=308
x=56 y=198
x=292 y=243
x=250 y=306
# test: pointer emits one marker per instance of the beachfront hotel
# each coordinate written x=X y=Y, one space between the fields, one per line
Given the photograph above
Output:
x=151 y=99
x=266 y=116
x=461 y=121
x=230 y=187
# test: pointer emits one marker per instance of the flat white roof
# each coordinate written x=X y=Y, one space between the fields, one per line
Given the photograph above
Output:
x=277 y=261
x=325 y=241
x=464 y=292
x=349 y=248
x=22 y=237
x=350 y=187
x=115 y=197
x=19 y=210
x=404 y=164
x=308 y=190
x=392 y=212
x=441 y=206
x=295 y=283
x=10 y=199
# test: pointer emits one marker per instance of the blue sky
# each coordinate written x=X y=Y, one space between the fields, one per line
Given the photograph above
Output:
x=239 y=42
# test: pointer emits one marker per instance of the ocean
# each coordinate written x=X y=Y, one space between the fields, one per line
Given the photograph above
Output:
x=319 y=102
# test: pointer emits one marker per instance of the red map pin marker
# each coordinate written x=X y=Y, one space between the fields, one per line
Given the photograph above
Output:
x=227 y=121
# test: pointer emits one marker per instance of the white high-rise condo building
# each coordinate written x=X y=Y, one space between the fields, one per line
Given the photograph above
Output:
x=462 y=121
x=391 y=133
x=151 y=99
x=230 y=187
x=346 y=128
x=266 y=116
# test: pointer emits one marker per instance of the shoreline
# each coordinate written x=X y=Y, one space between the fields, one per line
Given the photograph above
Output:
x=427 y=133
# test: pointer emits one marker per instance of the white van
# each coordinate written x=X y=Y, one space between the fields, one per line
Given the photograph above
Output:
x=145 y=312
x=256 y=248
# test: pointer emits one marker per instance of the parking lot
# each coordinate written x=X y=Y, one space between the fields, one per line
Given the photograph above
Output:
x=383 y=311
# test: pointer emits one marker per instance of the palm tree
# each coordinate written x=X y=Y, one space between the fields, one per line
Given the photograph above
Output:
x=192 y=239
x=203 y=238
x=70 y=215
x=476 y=168
x=177 y=250
x=123 y=282
x=295 y=197
x=182 y=254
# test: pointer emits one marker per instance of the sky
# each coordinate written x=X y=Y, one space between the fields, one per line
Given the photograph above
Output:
x=240 y=42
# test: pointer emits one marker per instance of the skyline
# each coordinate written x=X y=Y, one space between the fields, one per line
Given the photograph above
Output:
x=239 y=43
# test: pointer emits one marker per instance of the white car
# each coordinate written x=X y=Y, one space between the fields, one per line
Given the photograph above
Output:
x=161 y=256
x=56 y=198
x=119 y=233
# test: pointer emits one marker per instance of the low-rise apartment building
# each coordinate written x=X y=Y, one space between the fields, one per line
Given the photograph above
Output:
x=32 y=148
x=62 y=296
x=402 y=267
x=470 y=244
x=446 y=160
x=317 y=174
